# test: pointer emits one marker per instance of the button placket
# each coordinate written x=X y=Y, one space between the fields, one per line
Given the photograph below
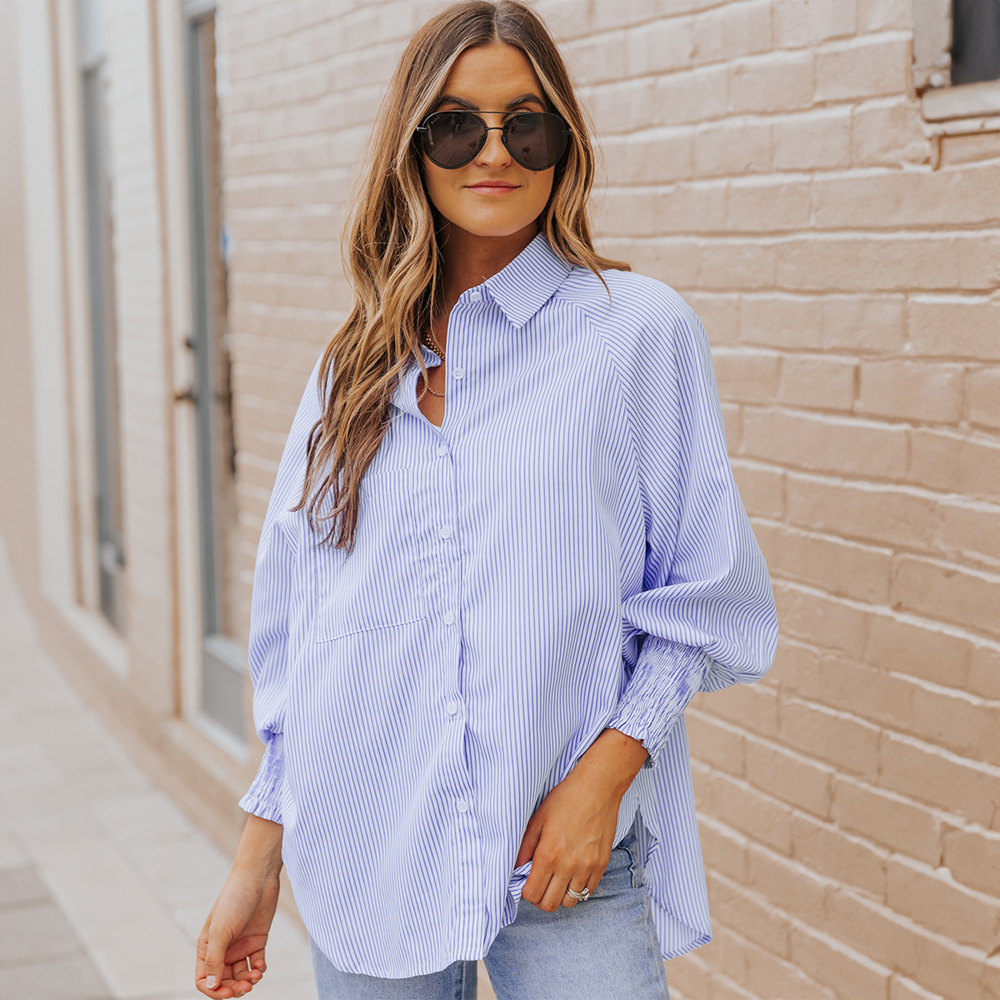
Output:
x=443 y=535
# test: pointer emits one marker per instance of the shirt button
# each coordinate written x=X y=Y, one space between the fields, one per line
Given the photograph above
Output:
x=458 y=372
x=475 y=296
x=452 y=707
x=445 y=531
x=442 y=449
x=449 y=618
x=462 y=806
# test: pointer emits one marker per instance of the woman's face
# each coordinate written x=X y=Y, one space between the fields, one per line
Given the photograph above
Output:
x=493 y=195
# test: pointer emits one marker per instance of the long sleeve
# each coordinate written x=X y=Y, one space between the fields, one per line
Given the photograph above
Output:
x=666 y=678
x=275 y=589
x=567 y=546
x=705 y=617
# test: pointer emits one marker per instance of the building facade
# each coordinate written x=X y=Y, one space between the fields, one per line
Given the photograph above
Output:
x=818 y=178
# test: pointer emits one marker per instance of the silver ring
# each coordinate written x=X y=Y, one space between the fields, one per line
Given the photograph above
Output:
x=585 y=895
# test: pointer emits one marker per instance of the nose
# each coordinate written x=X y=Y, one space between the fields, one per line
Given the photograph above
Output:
x=494 y=153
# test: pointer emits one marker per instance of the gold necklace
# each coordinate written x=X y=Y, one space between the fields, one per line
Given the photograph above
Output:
x=429 y=341
x=434 y=348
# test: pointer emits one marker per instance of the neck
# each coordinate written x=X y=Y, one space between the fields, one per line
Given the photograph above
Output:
x=469 y=260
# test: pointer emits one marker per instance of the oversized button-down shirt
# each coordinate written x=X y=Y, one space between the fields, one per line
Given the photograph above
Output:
x=566 y=552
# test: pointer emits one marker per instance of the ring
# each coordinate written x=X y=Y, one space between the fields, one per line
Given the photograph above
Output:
x=585 y=895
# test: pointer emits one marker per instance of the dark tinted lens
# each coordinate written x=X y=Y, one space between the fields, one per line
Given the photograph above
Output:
x=536 y=141
x=453 y=138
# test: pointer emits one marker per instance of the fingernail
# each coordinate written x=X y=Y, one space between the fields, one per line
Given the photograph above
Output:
x=211 y=982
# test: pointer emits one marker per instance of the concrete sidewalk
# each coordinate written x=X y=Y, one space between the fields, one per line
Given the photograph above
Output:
x=104 y=884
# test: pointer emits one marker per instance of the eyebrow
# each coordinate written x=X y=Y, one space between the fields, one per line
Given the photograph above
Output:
x=523 y=99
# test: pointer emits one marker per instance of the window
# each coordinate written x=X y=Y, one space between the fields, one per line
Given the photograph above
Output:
x=956 y=66
x=956 y=62
x=103 y=324
x=975 y=41
x=222 y=656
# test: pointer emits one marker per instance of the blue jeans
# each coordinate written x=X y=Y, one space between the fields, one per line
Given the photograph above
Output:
x=601 y=949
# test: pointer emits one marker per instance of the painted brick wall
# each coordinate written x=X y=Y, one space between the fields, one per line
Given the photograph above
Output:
x=145 y=399
x=767 y=159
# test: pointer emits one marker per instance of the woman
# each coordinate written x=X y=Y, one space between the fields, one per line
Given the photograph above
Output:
x=503 y=551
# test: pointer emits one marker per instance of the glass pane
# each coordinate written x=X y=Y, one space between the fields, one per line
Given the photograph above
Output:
x=222 y=683
x=104 y=345
x=975 y=45
x=222 y=675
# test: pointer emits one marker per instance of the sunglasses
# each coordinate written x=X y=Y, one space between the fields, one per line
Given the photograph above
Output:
x=451 y=139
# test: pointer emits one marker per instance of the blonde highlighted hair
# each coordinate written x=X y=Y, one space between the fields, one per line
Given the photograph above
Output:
x=392 y=251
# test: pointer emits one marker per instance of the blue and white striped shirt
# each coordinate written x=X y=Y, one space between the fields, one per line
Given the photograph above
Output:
x=567 y=552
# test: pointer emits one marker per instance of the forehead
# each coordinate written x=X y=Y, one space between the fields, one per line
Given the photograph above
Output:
x=490 y=76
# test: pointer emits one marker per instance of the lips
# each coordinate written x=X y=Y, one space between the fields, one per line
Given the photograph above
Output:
x=492 y=186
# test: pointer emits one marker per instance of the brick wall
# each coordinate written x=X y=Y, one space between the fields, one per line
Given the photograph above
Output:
x=766 y=158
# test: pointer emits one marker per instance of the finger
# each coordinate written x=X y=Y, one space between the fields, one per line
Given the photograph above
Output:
x=535 y=888
x=241 y=972
x=199 y=962
x=554 y=893
x=220 y=991
x=528 y=843
x=570 y=901
x=247 y=958
x=238 y=981
x=538 y=878
x=215 y=954
x=218 y=988
x=258 y=966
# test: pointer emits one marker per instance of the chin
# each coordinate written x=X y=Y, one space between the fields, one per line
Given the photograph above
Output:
x=494 y=226
x=496 y=232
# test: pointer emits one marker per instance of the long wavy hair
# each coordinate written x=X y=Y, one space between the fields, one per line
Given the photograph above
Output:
x=393 y=255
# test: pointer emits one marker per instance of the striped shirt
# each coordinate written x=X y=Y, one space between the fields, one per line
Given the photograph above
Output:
x=567 y=552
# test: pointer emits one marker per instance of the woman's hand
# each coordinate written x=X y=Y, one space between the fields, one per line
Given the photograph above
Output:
x=231 y=944
x=570 y=836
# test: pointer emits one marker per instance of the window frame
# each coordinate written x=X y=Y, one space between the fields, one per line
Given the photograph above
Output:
x=106 y=475
x=962 y=108
x=217 y=703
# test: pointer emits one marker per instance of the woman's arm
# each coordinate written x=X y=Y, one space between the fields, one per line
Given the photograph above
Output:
x=275 y=586
x=705 y=615
x=231 y=944
x=570 y=835
x=231 y=947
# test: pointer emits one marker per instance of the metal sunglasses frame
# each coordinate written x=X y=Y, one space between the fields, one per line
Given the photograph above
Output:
x=423 y=129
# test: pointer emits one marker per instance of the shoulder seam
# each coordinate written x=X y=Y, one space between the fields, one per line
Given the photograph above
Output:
x=633 y=424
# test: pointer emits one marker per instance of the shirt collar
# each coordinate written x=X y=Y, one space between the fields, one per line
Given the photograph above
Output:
x=404 y=396
x=520 y=290
x=528 y=281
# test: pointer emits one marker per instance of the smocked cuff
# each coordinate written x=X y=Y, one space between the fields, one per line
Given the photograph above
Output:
x=665 y=679
x=263 y=797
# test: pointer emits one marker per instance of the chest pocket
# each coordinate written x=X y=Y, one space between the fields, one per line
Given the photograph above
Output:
x=379 y=584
